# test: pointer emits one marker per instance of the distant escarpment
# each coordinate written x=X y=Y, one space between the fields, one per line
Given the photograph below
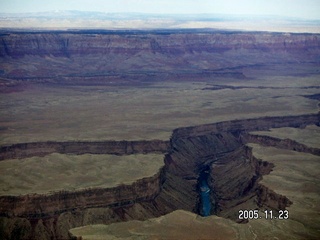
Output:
x=131 y=56
x=280 y=143
x=67 y=44
x=247 y=125
x=216 y=151
x=24 y=150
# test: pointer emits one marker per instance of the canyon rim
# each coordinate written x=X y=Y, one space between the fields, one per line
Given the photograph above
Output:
x=103 y=131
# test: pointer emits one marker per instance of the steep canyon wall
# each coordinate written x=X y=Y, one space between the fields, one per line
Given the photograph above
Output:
x=67 y=44
x=234 y=175
x=147 y=55
x=24 y=150
x=219 y=148
x=35 y=206
x=247 y=125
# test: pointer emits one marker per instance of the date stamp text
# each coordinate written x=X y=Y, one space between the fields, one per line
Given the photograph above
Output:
x=267 y=214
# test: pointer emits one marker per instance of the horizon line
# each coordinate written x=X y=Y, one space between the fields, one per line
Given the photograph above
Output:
x=170 y=14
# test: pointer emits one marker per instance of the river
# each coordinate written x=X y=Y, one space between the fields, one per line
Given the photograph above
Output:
x=205 y=194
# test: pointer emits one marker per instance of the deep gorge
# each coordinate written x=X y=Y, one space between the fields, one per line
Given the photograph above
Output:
x=214 y=151
x=213 y=156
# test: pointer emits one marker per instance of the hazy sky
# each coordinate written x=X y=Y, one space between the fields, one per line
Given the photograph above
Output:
x=293 y=8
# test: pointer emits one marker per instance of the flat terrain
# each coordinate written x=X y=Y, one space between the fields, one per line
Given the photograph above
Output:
x=176 y=225
x=295 y=175
x=148 y=111
x=56 y=172
x=141 y=86
x=310 y=136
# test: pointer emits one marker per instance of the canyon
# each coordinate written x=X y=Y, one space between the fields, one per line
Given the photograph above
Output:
x=135 y=56
x=194 y=97
x=233 y=177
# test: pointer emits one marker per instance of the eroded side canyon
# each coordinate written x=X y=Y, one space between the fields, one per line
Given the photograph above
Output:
x=233 y=178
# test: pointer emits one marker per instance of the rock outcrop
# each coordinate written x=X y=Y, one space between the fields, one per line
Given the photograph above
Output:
x=233 y=177
x=24 y=150
x=35 y=206
x=135 y=56
x=239 y=128
x=67 y=44
x=280 y=143
x=131 y=57
x=247 y=125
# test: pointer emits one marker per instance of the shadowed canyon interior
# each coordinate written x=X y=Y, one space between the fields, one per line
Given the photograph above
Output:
x=233 y=176
x=207 y=169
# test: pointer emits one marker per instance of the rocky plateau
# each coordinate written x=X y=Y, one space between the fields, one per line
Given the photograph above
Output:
x=131 y=57
x=234 y=175
x=217 y=151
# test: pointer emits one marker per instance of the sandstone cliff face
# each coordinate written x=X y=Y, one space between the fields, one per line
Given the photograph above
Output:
x=24 y=150
x=234 y=175
x=270 y=199
x=135 y=56
x=190 y=154
x=241 y=175
x=280 y=143
x=238 y=127
x=248 y=125
x=69 y=44
x=39 y=206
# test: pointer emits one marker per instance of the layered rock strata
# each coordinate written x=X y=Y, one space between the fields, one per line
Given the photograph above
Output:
x=280 y=143
x=254 y=124
x=35 y=206
x=135 y=56
x=233 y=178
x=70 y=43
x=239 y=128
x=24 y=150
